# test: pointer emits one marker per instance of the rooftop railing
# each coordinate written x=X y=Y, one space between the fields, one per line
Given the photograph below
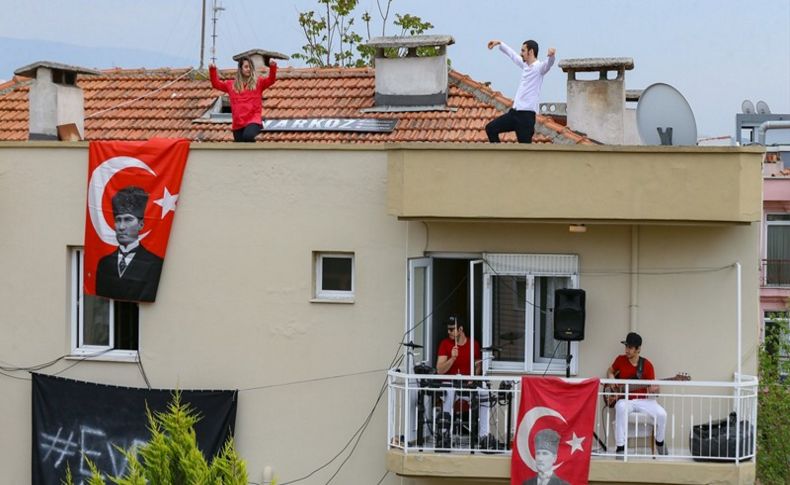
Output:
x=706 y=420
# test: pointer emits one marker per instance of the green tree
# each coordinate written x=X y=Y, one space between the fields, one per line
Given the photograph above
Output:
x=331 y=39
x=773 y=432
x=171 y=455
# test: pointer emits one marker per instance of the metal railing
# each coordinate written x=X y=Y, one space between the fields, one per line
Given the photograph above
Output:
x=706 y=420
x=775 y=272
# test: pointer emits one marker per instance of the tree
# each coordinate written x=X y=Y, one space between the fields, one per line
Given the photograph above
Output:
x=172 y=455
x=331 y=40
x=773 y=433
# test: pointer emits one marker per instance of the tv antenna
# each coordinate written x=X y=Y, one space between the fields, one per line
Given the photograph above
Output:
x=747 y=107
x=664 y=117
x=762 y=108
x=216 y=8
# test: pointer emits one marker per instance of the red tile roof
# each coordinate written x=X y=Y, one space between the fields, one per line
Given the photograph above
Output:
x=125 y=104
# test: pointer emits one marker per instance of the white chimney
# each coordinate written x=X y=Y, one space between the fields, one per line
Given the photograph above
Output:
x=260 y=58
x=411 y=81
x=596 y=107
x=54 y=98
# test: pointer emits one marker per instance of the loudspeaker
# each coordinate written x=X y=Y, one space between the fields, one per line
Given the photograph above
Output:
x=569 y=314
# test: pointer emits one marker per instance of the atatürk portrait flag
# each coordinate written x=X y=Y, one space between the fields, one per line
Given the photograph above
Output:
x=133 y=189
x=554 y=434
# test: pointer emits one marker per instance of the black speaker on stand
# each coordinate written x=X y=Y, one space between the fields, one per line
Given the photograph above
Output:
x=569 y=319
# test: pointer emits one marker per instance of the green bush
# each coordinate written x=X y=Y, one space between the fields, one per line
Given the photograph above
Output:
x=773 y=435
x=172 y=456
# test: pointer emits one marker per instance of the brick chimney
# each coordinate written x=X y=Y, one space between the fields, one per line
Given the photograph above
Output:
x=260 y=58
x=411 y=81
x=54 y=98
x=597 y=106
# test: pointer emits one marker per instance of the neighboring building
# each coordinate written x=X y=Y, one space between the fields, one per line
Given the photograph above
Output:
x=401 y=227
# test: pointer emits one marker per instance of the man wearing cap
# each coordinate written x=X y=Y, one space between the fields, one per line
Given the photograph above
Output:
x=547 y=441
x=454 y=359
x=631 y=366
x=130 y=272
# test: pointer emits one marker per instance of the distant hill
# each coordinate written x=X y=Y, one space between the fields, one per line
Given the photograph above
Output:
x=21 y=52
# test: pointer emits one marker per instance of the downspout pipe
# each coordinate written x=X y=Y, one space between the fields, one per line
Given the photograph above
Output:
x=770 y=125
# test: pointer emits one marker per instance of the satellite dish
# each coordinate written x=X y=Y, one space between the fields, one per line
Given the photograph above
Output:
x=664 y=117
x=747 y=107
x=762 y=108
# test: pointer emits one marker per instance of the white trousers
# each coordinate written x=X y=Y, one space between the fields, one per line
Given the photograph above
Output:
x=485 y=406
x=649 y=406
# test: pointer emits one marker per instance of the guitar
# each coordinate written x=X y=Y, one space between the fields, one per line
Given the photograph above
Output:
x=614 y=392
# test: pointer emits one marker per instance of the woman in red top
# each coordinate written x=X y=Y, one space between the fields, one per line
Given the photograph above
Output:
x=245 y=92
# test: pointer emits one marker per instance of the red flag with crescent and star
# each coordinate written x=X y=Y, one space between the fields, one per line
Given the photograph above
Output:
x=133 y=188
x=554 y=434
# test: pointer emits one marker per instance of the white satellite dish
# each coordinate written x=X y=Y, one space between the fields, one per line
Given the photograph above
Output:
x=762 y=108
x=747 y=107
x=664 y=117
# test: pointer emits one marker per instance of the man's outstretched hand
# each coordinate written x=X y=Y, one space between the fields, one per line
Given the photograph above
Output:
x=552 y=51
x=493 y=43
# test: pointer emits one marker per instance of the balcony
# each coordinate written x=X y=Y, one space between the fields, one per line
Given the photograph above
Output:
x=449 y=445
x=775 y=273
x=576 y=183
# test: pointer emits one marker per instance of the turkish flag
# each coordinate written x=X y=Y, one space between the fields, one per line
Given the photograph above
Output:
x=133 y=188
x=554 y=435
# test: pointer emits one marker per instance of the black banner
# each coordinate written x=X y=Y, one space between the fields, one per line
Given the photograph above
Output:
x=74 y=418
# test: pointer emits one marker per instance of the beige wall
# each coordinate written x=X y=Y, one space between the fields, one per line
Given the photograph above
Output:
x=233 y=308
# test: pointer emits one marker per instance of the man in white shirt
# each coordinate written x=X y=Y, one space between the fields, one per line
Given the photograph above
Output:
x=521 y=117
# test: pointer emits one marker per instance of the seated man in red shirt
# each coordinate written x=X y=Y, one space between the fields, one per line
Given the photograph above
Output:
x=631 y=366
x=454 y=359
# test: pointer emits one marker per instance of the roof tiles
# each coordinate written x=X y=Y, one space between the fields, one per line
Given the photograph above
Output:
x=135 y=104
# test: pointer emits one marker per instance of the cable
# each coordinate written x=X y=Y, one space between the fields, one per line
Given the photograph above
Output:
x=359 y=430
x=317 y=379
x=15 y=377
x=81 y=360
x=142 y=370
x=126 y=103
x=383 y=477
x=552 y=357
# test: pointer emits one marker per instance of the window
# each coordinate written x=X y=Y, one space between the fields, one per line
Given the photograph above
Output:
x=777 y=264
x=334 y=276
x=99 y=325
x=519 y=310
x=777 y=333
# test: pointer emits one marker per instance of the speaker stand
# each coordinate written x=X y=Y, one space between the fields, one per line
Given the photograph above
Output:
x=568 y=358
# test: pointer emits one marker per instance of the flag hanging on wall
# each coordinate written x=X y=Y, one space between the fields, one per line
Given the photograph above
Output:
x=133 y=188
x=554 y=434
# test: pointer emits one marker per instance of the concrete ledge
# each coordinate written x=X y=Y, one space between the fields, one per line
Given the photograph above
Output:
x=602 y=471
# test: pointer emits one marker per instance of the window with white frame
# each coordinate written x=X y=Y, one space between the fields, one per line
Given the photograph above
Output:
x=777 y=251
x=334 y=276
x=519 y=310
x=99 y=325
x=777 y=325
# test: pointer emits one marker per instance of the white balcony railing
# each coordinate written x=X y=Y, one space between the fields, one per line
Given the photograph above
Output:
x=701 y=417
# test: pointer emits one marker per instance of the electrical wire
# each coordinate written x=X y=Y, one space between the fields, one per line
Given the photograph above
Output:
x=142 y=370
x=316 y=379
x=552 y=357
x=126 y=103
x=383 y=477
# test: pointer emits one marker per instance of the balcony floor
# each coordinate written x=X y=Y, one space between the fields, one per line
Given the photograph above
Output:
x=495 y=469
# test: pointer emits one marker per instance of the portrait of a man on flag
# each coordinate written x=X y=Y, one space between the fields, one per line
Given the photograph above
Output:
x=133 y=188
x=554 y=433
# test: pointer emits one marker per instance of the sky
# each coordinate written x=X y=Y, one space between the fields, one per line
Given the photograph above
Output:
x=715 y=52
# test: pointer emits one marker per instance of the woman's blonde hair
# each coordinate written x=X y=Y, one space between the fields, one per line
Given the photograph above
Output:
x=240 y=84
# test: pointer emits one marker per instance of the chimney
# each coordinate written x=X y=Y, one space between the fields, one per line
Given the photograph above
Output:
x=411 y=81
x=597 y=106
x=260 y=58
x=54 y=98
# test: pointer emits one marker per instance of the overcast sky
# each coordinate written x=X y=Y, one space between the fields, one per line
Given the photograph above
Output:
x=716 y=52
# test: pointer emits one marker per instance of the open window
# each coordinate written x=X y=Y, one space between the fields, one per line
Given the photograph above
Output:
x=100 y=327
x=518 y=313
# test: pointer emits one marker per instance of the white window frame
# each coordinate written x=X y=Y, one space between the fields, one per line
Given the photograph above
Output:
x=78 y=349
x=769 y=223
x=529 y=266
x=333 y=295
